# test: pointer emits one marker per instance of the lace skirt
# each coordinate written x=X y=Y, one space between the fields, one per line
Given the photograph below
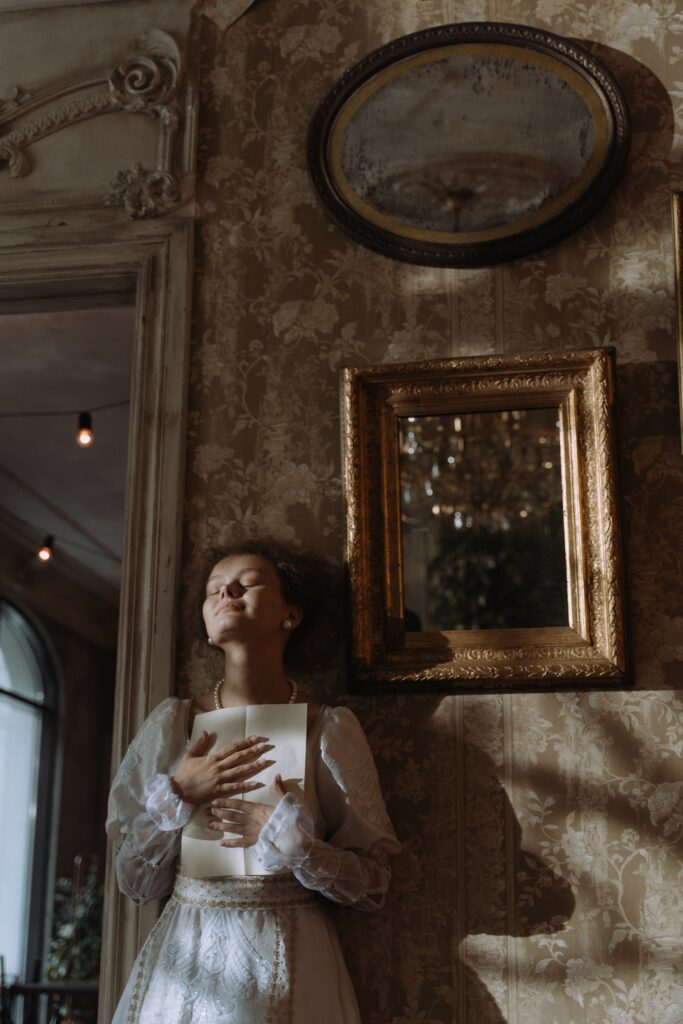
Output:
x=252 y=950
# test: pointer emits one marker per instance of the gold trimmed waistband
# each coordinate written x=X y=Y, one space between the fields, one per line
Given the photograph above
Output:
x=243 y=892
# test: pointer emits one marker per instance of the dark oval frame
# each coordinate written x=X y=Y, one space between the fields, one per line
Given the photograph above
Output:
x=477 y=253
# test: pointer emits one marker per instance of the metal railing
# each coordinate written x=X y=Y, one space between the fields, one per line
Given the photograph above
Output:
x=66 y=1002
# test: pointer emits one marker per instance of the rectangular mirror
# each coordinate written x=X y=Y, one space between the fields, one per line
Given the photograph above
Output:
x=483 y=541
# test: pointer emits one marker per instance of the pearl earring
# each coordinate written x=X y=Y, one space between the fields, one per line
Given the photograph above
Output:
x=287 y=624
x=209 y=641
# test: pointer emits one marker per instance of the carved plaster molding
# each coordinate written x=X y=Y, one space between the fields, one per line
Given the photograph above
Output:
x=22 y=6
x=159 y=254
x=148 y=83
x=144 y=193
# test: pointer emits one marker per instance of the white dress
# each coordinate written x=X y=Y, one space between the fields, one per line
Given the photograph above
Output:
x=258 y=949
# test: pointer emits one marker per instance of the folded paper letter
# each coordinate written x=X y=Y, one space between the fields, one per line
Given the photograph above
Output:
x=201 y=855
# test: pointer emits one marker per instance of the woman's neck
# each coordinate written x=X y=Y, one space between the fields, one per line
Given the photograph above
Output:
x=254 y=676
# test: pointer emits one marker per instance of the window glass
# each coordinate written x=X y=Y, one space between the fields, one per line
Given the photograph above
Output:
x=20 y=726
x=19 y=671
x=22 y=720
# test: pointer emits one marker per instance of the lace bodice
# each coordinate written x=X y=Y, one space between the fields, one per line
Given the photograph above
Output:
x=336 y=840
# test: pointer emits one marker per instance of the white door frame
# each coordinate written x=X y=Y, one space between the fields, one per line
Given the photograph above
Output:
x=159 y=255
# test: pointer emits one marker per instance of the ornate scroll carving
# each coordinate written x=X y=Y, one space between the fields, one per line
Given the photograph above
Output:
x=145 y=84
x=149 y=84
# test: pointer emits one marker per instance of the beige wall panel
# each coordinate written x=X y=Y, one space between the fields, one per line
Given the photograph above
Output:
x=541 y=873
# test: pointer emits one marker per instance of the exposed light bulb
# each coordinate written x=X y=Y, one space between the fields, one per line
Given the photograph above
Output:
x=46 y=550
x=85 y=436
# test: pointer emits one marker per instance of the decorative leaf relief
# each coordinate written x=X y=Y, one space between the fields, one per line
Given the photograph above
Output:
x=498 y=674
x=581 y=361
x=13 y=99
x=143 y=193
x=39 y=127
x=18 y=162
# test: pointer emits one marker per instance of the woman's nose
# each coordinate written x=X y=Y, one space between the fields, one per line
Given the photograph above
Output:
x=234 y=589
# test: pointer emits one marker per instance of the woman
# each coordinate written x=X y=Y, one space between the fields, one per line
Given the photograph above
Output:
x=258 y=948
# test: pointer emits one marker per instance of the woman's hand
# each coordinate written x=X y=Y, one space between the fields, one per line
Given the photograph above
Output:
x=244 y=817
x=201 y=777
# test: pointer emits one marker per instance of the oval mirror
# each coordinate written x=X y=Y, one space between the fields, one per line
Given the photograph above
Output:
x=468 y=145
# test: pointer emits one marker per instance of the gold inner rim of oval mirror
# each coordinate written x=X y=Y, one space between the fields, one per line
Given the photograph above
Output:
x=547 y=212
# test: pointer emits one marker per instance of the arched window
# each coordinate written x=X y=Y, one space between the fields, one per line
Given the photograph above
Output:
x=27 y=765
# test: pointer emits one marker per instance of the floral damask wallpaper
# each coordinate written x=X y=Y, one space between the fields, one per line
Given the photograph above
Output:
x=541 y=874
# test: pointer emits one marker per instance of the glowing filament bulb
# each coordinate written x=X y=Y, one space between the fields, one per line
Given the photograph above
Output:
x=84 y=437
x=46 y=550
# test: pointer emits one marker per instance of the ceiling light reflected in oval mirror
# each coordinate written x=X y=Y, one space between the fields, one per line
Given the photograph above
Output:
x=469 y=144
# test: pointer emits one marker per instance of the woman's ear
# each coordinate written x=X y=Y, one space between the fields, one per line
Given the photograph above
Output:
x=294 y=616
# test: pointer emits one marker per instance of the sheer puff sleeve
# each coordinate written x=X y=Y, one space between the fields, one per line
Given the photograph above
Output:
x=144 y=814
x=351 y=865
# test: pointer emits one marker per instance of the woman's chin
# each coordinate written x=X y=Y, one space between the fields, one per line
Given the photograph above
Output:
x=244 y=633
x=232 y=628
x=229 y=623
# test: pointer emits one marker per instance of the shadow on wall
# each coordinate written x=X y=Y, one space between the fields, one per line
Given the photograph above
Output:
x=509 y=891
x=463 y=872
x=602 y=812
x=650 y=112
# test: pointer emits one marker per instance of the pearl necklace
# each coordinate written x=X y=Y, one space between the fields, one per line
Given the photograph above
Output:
x=218 y=703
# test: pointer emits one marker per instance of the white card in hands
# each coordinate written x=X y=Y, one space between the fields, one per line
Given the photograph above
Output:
x=201 y=854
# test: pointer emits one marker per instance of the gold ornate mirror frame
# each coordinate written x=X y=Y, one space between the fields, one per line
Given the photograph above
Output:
x=591 y=646
x=677 y=215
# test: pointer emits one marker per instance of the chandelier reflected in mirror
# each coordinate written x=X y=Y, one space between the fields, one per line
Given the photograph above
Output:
x=482 y=520
x=483 y=535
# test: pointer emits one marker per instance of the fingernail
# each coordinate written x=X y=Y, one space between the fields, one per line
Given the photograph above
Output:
x=257 y=785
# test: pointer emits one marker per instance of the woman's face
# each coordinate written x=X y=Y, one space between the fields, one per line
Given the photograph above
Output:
x=244 y=600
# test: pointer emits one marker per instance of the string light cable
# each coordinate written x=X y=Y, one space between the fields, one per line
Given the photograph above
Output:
x=95 y=545
x=84 y=439
x=63 y=412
